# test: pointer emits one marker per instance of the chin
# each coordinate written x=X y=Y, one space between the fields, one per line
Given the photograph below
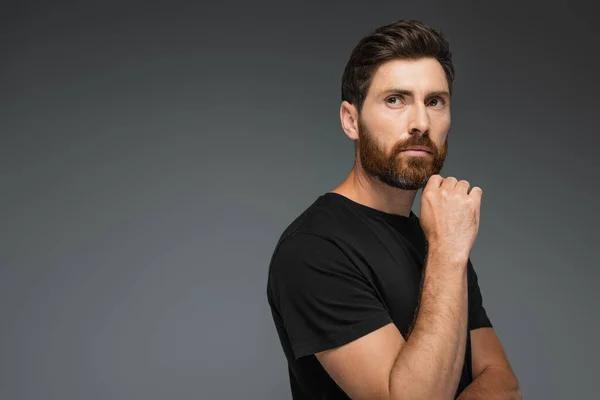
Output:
x=405 y=184
x=413 y=183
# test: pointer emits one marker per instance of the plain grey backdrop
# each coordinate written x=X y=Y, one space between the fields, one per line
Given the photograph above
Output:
x=151 y=155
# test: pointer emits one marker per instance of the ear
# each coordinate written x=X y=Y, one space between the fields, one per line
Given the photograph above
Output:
x=349 y=119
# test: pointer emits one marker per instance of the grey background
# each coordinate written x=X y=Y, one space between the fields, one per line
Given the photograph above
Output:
x=152 y=154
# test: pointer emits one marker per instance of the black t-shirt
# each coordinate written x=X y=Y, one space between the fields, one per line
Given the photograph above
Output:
x=341 y=270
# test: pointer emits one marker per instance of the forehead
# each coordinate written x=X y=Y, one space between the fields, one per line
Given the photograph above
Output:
x=419 y=75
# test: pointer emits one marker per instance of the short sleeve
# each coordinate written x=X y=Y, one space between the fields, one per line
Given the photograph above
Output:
x=323 y=299
x=478 y=317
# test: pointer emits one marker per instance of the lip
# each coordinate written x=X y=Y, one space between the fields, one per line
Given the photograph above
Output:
x=418 y=148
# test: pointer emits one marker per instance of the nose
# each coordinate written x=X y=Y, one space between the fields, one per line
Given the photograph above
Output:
x=419 y=120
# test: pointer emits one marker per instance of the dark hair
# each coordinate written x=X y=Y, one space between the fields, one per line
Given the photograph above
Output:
x=408 y=39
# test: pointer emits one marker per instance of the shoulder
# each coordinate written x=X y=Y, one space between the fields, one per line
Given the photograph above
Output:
x=326 y=218
x=309 y=239
x=303 y=253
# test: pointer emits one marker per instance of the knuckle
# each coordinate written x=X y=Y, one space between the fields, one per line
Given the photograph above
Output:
x=427 y=194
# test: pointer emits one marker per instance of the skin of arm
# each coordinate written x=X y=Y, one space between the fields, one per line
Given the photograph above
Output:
x=494 y=378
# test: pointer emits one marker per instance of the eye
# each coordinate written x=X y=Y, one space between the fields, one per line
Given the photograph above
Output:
x=437 y=102
x=394 y=100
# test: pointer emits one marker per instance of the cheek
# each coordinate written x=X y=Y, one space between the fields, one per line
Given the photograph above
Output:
x=439 y=130
x=441 y=121
x=392 y=129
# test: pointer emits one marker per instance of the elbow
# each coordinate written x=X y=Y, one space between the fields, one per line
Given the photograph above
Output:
x=512 y=387
x=516 y=388
x=517 y=392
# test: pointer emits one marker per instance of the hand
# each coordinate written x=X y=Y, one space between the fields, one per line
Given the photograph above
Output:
x=450 y=215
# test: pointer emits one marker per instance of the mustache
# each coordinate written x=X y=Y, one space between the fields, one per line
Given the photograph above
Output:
x=415 y=141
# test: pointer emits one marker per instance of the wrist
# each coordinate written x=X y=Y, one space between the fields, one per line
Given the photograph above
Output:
x=447 y=256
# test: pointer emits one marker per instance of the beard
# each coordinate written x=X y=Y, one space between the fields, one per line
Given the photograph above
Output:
x=397 y=169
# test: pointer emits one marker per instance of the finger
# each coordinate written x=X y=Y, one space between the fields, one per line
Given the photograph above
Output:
x=476 y=191
x=434 y=181
x=449 y=183
x=463 y=186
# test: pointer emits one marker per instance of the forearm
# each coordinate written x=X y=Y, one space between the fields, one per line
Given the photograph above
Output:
x=493 y=384
x=430 y=362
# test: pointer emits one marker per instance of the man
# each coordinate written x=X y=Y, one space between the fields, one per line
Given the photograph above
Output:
x=369 y=300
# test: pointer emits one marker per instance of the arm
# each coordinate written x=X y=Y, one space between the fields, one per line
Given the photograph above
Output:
x=382 y=365
x=428 y=364
x=494 y=378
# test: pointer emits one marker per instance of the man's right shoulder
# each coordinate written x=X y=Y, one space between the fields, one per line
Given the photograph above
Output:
x=320 y=220
x=303 y=255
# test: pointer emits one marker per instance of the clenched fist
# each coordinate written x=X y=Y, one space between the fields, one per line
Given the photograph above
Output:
x=450 y=215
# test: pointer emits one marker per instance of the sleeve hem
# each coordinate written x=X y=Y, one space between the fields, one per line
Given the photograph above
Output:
x=348 y=335
x=482 y=322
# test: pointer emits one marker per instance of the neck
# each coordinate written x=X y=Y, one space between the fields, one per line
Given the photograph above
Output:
x=371 y=192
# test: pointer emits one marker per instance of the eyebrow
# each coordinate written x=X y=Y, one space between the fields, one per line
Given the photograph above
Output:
x=406 y=92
